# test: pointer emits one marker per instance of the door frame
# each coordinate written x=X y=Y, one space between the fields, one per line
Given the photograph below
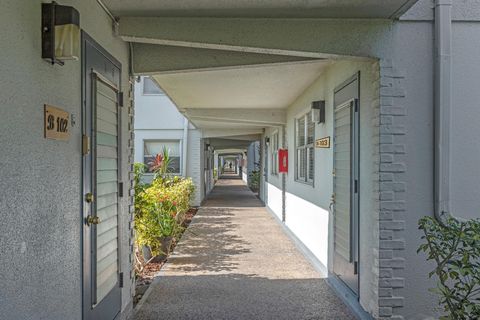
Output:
x=87 y=45
x=354 y=98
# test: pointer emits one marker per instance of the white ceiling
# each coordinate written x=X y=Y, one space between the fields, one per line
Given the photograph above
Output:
x=264 y=8
x=260 y=87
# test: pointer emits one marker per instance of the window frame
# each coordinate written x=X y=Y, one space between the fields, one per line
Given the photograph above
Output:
x=180 y=165
x=304 y=177
x=161 y=93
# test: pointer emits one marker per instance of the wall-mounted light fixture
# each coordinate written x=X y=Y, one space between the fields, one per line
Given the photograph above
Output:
x=207 y=146
x=267 y=140
x=318 y=111
x=60 y=33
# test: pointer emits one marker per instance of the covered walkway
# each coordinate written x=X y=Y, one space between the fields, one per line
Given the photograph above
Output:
x=235 y=262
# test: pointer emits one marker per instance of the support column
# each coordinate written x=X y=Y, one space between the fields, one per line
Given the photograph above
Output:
x=284 y=178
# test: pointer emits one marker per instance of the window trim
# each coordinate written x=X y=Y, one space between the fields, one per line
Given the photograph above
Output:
x=179 y=141
x=306 y=180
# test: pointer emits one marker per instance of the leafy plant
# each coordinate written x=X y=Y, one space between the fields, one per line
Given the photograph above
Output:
x=455 y=249
x=161 y=164
x=159 y=208
x=254 y=182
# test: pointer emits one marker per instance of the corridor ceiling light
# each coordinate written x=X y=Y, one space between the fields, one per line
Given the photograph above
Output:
x=60 y=33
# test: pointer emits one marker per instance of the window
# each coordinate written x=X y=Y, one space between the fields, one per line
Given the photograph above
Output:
x=152 y=148
x=274 y=146
x=304 y=148
x=151 y=87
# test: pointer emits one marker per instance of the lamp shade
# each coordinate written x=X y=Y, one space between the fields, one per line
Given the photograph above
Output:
x=60 y=33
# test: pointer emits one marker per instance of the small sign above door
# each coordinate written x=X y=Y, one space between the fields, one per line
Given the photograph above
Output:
x=56 y=123
x=323 y=142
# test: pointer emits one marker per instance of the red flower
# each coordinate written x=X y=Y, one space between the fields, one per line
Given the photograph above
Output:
x=156 y=163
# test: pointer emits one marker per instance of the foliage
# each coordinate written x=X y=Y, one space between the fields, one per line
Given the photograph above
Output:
x=215 y=174
x=455 y=249
x=159 y=208
x=160 y=165
x=254 y=182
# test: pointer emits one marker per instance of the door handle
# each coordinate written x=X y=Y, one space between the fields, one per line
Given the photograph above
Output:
x=89 y=197
x=92 y=220
x=332 y=202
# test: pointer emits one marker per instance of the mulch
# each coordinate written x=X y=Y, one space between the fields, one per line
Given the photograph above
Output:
x=151 y=270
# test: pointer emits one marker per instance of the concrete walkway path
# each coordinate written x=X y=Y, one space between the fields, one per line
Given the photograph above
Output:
x=235 y=262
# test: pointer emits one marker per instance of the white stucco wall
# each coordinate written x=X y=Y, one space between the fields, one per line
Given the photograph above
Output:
x=40 y=179
x=157 y=118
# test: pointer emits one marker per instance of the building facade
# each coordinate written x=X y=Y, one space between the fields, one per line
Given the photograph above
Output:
x=55 y=264
x=159 y=125
x=375 y=102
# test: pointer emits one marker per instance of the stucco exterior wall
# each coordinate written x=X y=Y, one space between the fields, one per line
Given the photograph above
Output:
x=157 y=118
x=40 y=179
x=319 y=194
x=396 y=174
x=465 y=143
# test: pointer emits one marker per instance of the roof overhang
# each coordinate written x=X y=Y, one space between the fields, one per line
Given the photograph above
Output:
x=233 y=66
x=383 y=9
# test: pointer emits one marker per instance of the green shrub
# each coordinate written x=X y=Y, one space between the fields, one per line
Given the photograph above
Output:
x=159 y=208
x=455 y=249
x=254 y=182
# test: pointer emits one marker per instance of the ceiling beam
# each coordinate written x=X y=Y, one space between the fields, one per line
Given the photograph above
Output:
x=159 y=59
x=312 y=38
x=262 y=117
x=219 y=133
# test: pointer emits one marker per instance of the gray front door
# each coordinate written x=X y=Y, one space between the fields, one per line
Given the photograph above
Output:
x=346 y=182
x=101 y=175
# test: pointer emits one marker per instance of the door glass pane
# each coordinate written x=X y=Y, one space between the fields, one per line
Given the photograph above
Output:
x=311 y=163
x=301 y=131
x=106 y=186
x=302 y=161
x=310 y=128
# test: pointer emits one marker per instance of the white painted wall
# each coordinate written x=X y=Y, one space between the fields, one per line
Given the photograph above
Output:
x=274 y=200
x=157 y=118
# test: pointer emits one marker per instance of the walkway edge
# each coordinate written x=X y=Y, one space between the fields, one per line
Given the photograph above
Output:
x=148 y=292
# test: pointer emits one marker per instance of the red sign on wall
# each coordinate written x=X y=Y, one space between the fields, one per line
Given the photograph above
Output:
x=283 y=160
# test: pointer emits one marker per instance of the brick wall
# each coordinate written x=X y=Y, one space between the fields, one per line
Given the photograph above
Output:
x=130 y=184
x=390 y=120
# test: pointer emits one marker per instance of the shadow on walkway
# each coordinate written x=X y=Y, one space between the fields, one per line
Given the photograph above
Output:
x=231 y=193
x=239 y=296
x=235 y=262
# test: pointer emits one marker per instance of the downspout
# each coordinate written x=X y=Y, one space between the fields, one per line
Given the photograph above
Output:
x=109 y=13
x=443 y=103
x=185 y=147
